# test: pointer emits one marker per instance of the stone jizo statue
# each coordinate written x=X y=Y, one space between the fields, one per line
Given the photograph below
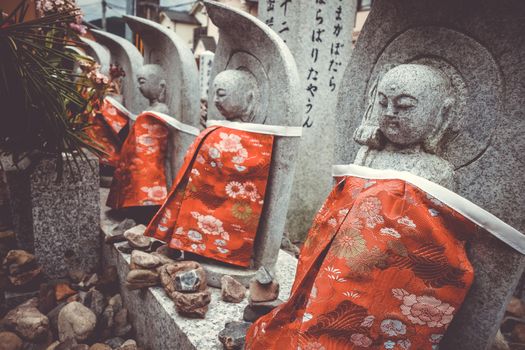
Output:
x=236 y=95
x=406 y=123
x=152 y=84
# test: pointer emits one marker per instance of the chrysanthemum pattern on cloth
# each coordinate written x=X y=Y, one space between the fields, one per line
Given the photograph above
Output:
x=378 y=270
x=217 y=199
x=140 y=176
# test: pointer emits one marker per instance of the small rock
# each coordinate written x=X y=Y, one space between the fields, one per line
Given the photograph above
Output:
x=516 y=307
x=63 y=291
x=123 y=226
x=289 y=247
x=121 y=325
x=170 y=253
x=28 y=321
x=232 y=291
x=137 y=279
x=46 y=298
x=53 y=316
x=192 y=304
x=263 y=276
x=500 y=343
x=80 y=347
x=168 y=273
x=67 y=344
x=234 y=334
x=125 y=248
x=95 y=301
x=92 y=281
x=76 y=321
x=108 y=280
x=116 y=302
x=100 y=346
x=10 y=341
x=25 y=278
x=114 y=342
x=112 y=239
x=76 y=274
x=254 y=310
x=142 y=260
x=260 y=292
x=518 y=332
x=53 y=345
x=136 y=238
x=189 y=281
x=18 y=261
x=129 y=344
x=163 y=258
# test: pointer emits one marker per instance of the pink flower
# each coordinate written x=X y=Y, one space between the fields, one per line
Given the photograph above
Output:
x=209 y=224
x=251 y=191
x=361 y=340
x=156 y=192
x=427 y=310
x=235 y=189
x=230 y=142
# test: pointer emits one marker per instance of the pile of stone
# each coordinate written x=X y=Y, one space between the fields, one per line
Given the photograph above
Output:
x=85 y=314
x=22 y=270
x=263 y=297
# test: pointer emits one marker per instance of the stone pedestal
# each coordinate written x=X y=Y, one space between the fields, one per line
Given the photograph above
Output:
x=58 y=221
x=319 y=35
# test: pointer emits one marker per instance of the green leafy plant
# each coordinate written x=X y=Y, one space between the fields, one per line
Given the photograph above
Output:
x=41 y=106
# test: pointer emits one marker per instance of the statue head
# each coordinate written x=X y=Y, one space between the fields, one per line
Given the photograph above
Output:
x=236 y=95
x=411 y=107
x=152 y=83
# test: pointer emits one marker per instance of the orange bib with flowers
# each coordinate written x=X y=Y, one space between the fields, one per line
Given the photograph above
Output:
x=140 y=176
x=107 y=130
x=384 y=267
x=216 y=201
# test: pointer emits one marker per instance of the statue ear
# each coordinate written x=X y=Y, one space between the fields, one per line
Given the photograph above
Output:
x=433 y=143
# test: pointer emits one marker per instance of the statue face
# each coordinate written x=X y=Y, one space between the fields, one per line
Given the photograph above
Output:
x=151 y=82
x=409 y=103
x=234 y=95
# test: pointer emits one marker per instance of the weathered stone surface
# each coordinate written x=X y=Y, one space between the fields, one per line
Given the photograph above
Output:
x=10 y=341
x=319 y=36
x=129 y=344
x=122 y=227
x=263 y=276
x=136 y=238
x=121 y=325
x=190 y=281
x=76 y=321
x=280 y=104
x=22 y=267
x=233 y=335
x=108 y=281
x=500 y=343
x=58 y=221
x=142 y=260
x=288 y=246
x=80 y=347
x=28 y=321
x=95 y=301
x=114 y=343
x=254 y=310
x=138 y=279
x=193 y=304
x=231 y=290
x=169 y=272
x=516 y=307
x=488 y=122
x=263 y=292
x=163 y=258
x=100 y=346
x=46 y=298
x=53 y=345
x=53 y=316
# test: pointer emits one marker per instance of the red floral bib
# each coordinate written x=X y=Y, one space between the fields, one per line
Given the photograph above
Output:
x=384 y=267
x=106 y=130
x=140 y=176
x=216 y=201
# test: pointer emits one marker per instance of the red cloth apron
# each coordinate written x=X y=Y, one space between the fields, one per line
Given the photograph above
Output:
x=140 y=176
x=106 y=131
x=384 y=267
x=216 y=200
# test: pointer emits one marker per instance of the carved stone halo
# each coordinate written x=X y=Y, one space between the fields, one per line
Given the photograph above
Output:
x=244 y=61
x=475 y=101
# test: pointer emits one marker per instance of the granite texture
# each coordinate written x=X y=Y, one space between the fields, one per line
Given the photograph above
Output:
x=479 y=45
x=58 y=221
x=99 y=53
x=165 y=51
x=319 y=35
x=152 y=312
x=127 y=56
x=247 y=43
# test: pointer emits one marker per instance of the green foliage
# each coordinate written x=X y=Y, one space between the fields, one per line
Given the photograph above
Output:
x=40 y=106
